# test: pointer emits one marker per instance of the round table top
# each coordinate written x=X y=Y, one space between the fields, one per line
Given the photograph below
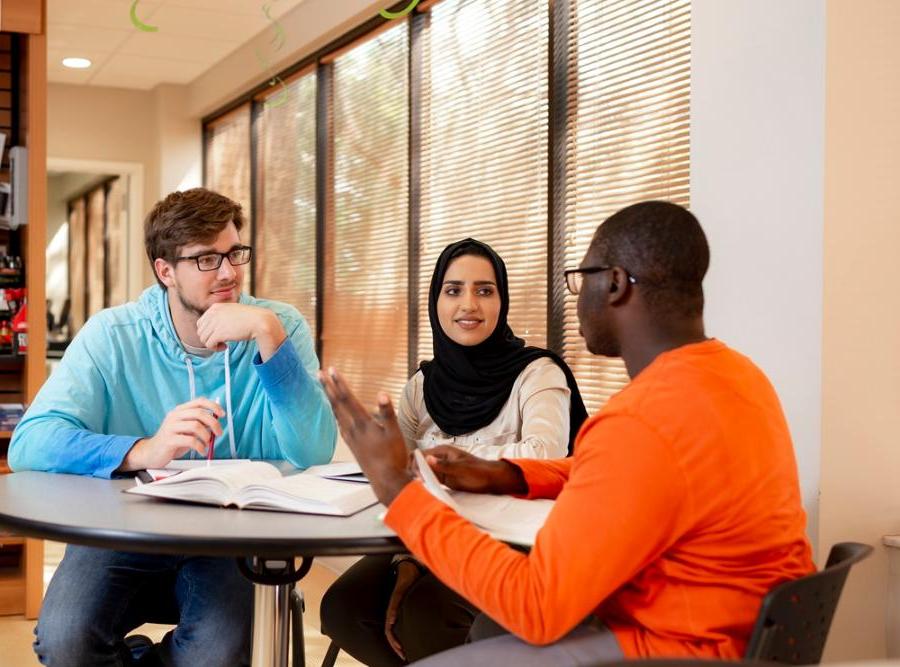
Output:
x=96 y=512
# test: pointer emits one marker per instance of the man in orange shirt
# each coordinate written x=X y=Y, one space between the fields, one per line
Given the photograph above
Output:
x=679 y=510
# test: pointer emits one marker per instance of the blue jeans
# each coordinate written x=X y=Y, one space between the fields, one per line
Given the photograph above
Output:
x=97 y=596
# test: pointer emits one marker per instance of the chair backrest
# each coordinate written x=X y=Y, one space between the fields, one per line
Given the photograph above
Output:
x=795 y=616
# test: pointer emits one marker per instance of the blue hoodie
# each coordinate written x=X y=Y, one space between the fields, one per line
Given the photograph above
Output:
x=126 y=369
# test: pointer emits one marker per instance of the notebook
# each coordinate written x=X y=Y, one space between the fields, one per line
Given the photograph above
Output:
x=260 y=485
x=510 y=519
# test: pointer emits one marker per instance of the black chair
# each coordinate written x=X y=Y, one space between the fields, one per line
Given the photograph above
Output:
x=795 y=617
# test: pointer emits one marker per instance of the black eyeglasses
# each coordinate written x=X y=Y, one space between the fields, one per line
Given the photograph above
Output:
x=211 y=261
x=575 y=277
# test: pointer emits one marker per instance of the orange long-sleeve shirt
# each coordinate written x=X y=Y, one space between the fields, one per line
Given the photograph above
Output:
x=678 y=512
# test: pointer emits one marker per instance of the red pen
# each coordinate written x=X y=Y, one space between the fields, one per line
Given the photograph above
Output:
x=210 y=447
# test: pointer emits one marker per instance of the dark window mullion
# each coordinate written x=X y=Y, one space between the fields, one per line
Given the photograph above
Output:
x=106 y=288
x=418 y=25
x=324 y=184
x=255 y=110
x=556 y=154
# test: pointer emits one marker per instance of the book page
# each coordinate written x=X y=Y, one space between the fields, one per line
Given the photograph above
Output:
x=308 y=493
x=513 y=520
x=190 y=464
x=430 y=480
x=232 y=476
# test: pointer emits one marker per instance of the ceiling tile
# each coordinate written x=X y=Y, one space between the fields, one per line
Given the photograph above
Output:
x=193 y=49
x=128 y=71
x=100 y=13
x=72 y=76
x=191 y=37
x=73 y=38
x=187 y=22
x=239 y=7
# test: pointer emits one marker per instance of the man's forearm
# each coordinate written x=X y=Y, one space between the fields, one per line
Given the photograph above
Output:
x=507 y=479
x=269 y=336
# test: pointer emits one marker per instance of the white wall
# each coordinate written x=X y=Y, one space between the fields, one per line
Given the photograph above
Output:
x=757 y=186
x=104 y=124
x=180 y=145
x=861 y=359
x=151 y=129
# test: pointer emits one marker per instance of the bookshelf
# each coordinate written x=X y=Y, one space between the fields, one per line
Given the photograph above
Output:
x=23 y=118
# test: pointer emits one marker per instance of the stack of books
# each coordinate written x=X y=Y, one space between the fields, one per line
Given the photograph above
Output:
x=10 y=414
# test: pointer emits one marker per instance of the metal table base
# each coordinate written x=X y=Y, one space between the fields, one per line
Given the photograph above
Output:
x=277 y=609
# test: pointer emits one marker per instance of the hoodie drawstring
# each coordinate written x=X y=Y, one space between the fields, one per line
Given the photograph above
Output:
x=193 y=389
x=228 y=401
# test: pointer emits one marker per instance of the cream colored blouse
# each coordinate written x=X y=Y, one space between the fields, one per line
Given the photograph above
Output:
x=534 y=422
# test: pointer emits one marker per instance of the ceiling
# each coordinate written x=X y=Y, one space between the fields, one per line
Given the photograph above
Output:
x=191 y=36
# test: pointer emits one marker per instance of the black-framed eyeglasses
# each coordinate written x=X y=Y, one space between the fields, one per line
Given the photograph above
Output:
x=575 y=277
x=211 y=261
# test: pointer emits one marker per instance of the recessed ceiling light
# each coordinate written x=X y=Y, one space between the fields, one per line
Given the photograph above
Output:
x=76 y=63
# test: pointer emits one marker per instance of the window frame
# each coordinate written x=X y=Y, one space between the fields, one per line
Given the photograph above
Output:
x=561 y=30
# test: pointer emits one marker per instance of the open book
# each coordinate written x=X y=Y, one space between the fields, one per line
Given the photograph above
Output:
x=512 y=520
x=344 y=472
x=259 y=485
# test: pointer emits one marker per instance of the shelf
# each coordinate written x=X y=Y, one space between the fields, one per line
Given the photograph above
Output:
x=11 y=362
x=5 y=435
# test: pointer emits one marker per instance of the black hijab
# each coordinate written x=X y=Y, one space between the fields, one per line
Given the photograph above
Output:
x=466 y=386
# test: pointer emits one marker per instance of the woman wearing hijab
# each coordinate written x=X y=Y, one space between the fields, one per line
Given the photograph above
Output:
x=484 y=391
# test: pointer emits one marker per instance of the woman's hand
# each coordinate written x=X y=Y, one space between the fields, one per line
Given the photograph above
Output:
x=407 y=574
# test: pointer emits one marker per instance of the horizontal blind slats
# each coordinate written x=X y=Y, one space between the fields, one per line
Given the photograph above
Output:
x=629 y=131
x=484 y=148
x=365 y=329
x=227 y=168
x=285 y=264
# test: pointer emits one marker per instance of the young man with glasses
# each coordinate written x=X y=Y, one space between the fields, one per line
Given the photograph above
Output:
x=678 y=512
x=193 y=363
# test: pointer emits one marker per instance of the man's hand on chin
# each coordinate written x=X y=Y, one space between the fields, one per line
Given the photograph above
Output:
x=224 y=322
x=375 y=440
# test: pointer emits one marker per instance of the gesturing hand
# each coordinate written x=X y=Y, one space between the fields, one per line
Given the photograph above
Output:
x=186 y=427
x=465 y=472
x=375 y=440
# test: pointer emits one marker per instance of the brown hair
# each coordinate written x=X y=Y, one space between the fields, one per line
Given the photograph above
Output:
x=197 y=215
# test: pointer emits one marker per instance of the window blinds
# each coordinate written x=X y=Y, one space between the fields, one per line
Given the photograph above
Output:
x=364 y=331
x=116 y=292
x=227 y=167
x=481 y=147
x=95 y=218
x=285 y=246
x=77 y=266
x=484 y=147
x=228 y=157
x=628 y=136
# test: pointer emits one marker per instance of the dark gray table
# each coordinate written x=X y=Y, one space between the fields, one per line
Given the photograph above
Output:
x=95 y=512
